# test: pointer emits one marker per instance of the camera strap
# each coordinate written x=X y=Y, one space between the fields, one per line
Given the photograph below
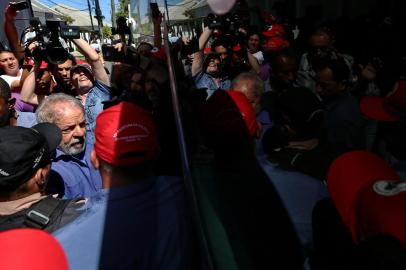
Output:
x=45 y=212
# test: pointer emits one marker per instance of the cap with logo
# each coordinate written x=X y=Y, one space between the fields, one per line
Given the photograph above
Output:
x=390 y=108
x=126 y=135
x=274 y=31
x=369 y=195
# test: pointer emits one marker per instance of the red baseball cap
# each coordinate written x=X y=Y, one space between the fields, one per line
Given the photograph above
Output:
x=369 y=195
x=229 y=112
x=81 y=62
x=246 y=110
x=159 y=53
x=274 y=31
x=236 y=48
x=276 y=44
x=207 y=50
x=44 y=65
x=22 y=249
x=126 y=135
x=390 y=108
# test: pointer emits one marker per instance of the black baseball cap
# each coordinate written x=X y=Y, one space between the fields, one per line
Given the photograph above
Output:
x=4 y=87
x=24 y=150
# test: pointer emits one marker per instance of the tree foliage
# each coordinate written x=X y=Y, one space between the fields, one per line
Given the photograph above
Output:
x=189 y=14
x=69 y=19
x=122 y=8
x=106 y=31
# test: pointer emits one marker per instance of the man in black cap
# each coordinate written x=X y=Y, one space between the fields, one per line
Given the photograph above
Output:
x=25 y=162
x=295 y=159
x=296 y=140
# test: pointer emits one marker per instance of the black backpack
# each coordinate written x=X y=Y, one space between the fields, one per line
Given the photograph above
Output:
x=44 y=215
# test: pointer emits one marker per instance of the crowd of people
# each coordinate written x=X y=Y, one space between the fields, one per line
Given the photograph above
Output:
x=295 y=143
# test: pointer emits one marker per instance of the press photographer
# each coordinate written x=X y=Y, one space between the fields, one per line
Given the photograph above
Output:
x=230 y=39
x=51 y=46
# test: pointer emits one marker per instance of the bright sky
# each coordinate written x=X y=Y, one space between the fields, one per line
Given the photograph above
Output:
x=105 y=5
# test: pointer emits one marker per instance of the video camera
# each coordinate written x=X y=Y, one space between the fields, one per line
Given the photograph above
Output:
x=49 y=37
x=227 y=24
x=123 y=30
x=122 y=27
x=227 y=28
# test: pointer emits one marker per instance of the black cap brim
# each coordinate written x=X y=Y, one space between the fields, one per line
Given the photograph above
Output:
x=52 y=134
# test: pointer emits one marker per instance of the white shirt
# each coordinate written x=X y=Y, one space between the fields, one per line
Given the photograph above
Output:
x=259 y=56
x=9 y=79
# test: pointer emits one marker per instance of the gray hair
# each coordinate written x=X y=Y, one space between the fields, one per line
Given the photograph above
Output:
x=238 y=84
x=50 y=109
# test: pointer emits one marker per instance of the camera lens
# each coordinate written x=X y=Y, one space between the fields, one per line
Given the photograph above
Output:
x=56 y=55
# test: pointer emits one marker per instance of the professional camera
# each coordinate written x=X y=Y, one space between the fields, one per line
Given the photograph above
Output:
x=123 y=30
x=227 y=24
x=214 y=21
x=50 y=39
x=122 y=27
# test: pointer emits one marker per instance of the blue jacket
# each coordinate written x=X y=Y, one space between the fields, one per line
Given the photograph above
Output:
x=74 y=176
x=299 y=193
x=204 y=80
x=93 y=105
x=26 y=119
x=142 y=226
x=344 y=123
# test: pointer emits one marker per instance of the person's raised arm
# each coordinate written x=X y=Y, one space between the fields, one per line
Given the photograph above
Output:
x=11 y=33
x=94 y=60
x=28 y=84
x=27 y=91
x=253 y=62
x=204 y=38
x=197 y=63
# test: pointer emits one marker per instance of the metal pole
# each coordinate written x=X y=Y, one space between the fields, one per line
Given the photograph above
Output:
x=167 y=12
x=130 y=26
x=90 y=14
x=138 y=19
x=113 y=14
x=207 y=263
x=99 y=18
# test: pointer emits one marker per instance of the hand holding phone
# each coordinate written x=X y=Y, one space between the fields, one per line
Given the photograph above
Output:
x=110 y=53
